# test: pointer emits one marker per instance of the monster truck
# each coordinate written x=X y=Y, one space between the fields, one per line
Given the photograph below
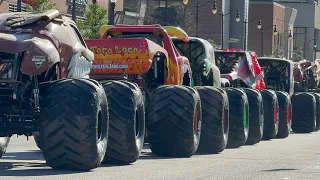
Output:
x=142 y=71
x=278 y=76
x=242 y=76
x=296 y=79
x=214 y=100
x=306 y=111
x=45 y=90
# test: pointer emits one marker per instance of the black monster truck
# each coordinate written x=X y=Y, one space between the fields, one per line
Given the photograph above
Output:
x=278 y=76
x=214 y=100
x=253 y=110
x=45 y=90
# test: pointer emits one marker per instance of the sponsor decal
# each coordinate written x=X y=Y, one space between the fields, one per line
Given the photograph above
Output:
x=110 y=66
x=38 y=60
x=114 y=50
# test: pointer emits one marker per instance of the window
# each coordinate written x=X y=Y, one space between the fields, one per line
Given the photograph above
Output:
x=14 y=8
x=299 y=37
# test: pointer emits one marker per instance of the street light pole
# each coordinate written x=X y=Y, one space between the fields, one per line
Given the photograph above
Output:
x=74 y=10
x=19 y=4
x=197 y=13
x=245 y=32
x=315 y=49
x=262 y=35
x=111 y=12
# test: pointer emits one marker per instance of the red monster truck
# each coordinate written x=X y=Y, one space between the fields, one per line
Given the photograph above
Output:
x=141 y=71
x=45 y=90
x=243 y=77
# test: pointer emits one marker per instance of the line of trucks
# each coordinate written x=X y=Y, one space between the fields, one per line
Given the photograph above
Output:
x=88 y=102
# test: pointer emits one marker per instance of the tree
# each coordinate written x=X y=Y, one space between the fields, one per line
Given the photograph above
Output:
x=95 y=18
x=39 y=5
x=277 y=52
x=297 y=54
x=212 y=43
x=177 y=16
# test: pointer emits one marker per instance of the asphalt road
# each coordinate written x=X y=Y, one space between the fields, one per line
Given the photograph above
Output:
x=297 y=157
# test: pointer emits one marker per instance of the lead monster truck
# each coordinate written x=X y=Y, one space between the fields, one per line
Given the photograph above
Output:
x=298 y=81
x=214 y=100
x=254 y=113
x=140 y=69
x=45 y=90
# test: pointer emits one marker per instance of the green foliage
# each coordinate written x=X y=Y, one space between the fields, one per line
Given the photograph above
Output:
x=41 y=5
x=95 y=18
x=277 y=52
x=297 y=54
x=212 y=43
x=177 y=16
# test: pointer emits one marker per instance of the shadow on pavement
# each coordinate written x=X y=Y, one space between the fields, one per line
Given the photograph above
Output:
x=150 y=156
x=17 y=169
x=26 y=155
x=281 y=169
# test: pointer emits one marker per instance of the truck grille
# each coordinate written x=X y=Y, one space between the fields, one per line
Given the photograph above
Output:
x=9 y=72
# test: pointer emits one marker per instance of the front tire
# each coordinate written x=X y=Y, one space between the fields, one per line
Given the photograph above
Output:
x=127 y=121
x=174 y=121
x=74 y=124
x=215 y=119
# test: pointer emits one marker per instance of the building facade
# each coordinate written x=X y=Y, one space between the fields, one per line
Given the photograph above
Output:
x=263 y=41
x=306 y=26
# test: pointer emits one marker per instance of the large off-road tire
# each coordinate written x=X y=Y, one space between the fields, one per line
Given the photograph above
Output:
x=238 y=117
x=215 y=119
x=37 y=140
x=255 y=116
x=74 y=124
x=285 y=115
x=127 y=121
x=271 y=114
x=174 y=121
x=317 y=96
x=304 y=115
x=4 y=142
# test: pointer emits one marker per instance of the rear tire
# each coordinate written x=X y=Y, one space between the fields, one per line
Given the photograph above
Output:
x=215 y=119
x=303 y=112
x=174 y=121
x=238 y=117
x=271 y=114
x=317 y=96
x=127 y=121
x=285 y=110
x=74 y=124
x=4 y=142
x=255 y=116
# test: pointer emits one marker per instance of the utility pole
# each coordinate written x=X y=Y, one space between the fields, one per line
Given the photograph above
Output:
x=19 y=3
x=74 y=10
